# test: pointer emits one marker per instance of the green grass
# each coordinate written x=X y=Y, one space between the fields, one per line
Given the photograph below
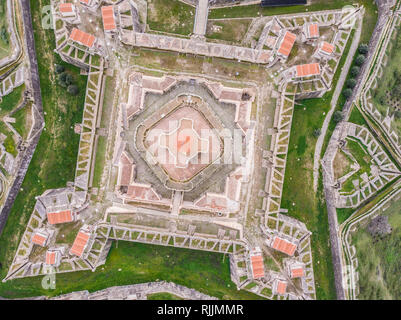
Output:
x=9 y=143
x=53 y=163
x=380 y=259
x=170 y=16
x=343 y=214
x=12 y=100
x=139 y=263
x=232 y=30
x=5 y=46
x=100 y=160
x=163 y=296
x=22 y=125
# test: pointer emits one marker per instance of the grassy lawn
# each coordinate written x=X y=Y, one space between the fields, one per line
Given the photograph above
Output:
x=256 y=10
x=163 y=296
x=139 y=263
x=231 y=30
x=53 y=163
x=171 y=16
x=12 y=100
x=380 y=259
x=5 y=47
x=23 y=121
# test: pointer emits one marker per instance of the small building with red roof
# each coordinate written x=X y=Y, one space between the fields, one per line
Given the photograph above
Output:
x=82 y=38
x=325 y=49
x=295 y=269
x=41 y=238
x=67 y=10
x=257 y=264
x=53 y=257
x=109 y=19
x=81 y=242
x=307 y=70
x=62 y=216
x=311 y=31
x=286 y=44
x=279 y=287
x=282 y=245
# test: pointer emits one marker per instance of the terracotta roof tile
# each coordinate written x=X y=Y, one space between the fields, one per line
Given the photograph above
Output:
x=39 y=239
x=327 y=47
x=313 y=30
x=281 y=287
x=60 y=217
x=287 y=44
x=297 y=272
x=284 y=246
x=82 y=37
x=80 y=243
x=305 y=70
x=258 y=269
x=66 y=7
x=109 y=22
x=50 y=258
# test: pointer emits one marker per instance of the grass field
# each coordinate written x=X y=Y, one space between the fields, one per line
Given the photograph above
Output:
x=380 y=259
x=232 y=31
x=53 y=163
x=170 y=16
x=138 y=263
x=12 y=100
x=163 y=296
x=5 y=46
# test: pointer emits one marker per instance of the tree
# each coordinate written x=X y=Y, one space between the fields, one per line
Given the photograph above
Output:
x=68 y=79
x=351 y=83
x=317 y=132
x=72 y=90
x=338 y=116
x=355 y=71
x=347 y=93
x=62 y=79
x=360 y=60
x=59 y=68
x=363 y=48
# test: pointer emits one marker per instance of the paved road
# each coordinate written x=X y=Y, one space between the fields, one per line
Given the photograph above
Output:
x=384 y=13
x=202 y=12
x=30 y=46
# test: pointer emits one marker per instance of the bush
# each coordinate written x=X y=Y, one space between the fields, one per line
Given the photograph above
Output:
x=338 y=116
x=317 y=133
x=360 y=60
x=347 y=93
x=59 y=68
x=72 y=90
x=351 y=83
x=69 y=80
x=363 y=48
x=355 y=71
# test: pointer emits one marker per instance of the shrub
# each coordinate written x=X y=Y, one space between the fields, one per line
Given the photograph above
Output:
x=351 y=83
x=59 y=68
x=363 y=48
x=338 y=116
x=347 y=93
x=72 y=90
x=360 y=60
x=355 y=71
x=317 y=132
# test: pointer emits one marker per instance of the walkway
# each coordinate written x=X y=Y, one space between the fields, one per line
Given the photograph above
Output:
x=202 y=12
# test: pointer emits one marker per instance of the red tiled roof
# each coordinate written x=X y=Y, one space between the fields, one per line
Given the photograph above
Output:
x=66 y=7
x=305 y=70
x=281 y=287
x=287 y=43
x=327 y=47
x=79 y=244
x=258 y=268
x=109 y=22
x=284 y=246
x=50 y=258
x=39 y=239
x=82 y=37
x=297 y=272
x=313 y=30
x=59 y=217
